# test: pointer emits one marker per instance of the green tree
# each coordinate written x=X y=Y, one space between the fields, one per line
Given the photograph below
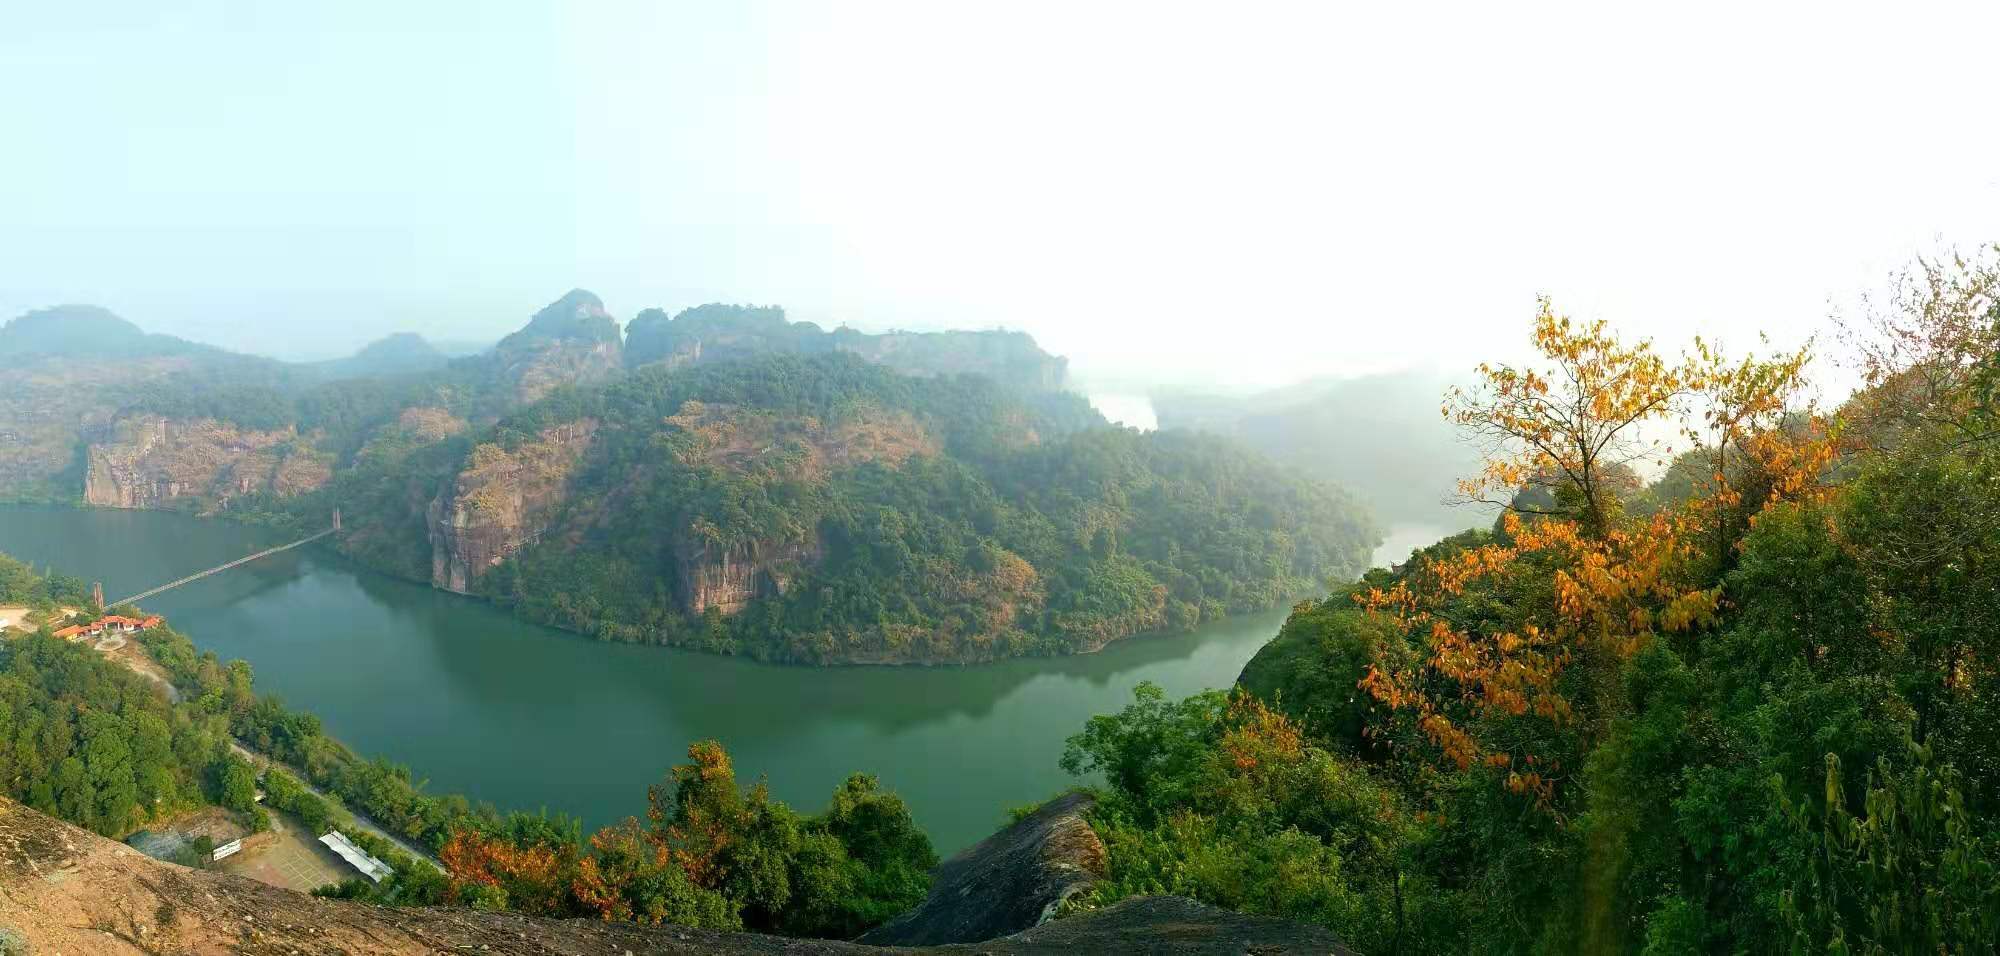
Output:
x=236 y=783
x=1914 y=872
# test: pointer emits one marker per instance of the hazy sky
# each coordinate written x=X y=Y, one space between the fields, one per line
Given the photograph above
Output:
x=1242 y=192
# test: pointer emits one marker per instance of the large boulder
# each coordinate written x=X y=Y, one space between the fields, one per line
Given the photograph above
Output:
x=1009 y=882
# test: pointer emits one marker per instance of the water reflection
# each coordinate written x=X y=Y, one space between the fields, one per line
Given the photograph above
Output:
x=524 y=716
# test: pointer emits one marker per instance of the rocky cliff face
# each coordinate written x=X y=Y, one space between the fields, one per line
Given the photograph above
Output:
x=66 y=890
x=147 y=461
x=729 y=438
x=501 y=500
x=48 y=405
x=729 y=577
x=573 y=341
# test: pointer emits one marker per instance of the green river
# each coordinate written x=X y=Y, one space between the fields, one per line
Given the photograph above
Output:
x=527 y=717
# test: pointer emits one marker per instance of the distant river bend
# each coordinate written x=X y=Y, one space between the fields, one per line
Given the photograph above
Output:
x=527 y=717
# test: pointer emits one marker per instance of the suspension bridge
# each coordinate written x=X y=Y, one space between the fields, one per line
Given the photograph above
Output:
x=239 y=562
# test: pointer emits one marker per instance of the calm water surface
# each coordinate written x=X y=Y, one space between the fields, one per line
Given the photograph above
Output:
x=528 y=717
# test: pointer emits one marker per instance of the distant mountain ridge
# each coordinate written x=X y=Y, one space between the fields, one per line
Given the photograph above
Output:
x=722 y=479
x=1380 y=435
x=395 y=354
x=87 y=331
x=716 y=332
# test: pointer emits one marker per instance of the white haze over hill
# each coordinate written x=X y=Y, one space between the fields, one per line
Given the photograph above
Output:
x=1133 y=411
x=1244 y=196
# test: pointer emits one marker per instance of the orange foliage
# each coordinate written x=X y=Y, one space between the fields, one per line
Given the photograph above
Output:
x=691 y=826
x=624 y=853
x=1753 y=422
x=1258 y=736
x=533 y=877
x=1568 y=427
x=710 y=808
x=1615 y=584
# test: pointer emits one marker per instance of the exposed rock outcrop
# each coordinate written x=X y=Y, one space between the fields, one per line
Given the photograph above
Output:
x=572 y=341
x=414 y=428
x=65 y=890
x=733 y=439
x=1009 y=882
x=501 y=500
x=743 y=441
x=729 y=577
x=146 y=461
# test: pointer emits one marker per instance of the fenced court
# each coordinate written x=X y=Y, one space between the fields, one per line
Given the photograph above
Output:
x=292 y=859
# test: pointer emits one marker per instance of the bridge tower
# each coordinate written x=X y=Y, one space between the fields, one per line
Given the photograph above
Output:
x=336 y=519
x=97 y=595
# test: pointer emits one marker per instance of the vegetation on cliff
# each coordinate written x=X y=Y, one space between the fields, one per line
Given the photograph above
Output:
x=825 y=509
x=719 y=333
x=1747 y=709
x=751 y=486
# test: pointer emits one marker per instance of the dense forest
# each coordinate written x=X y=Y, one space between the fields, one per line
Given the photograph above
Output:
x=1734 y=698
x=1746 y=709
x=880 y=516
x=89 y=740
x=1745 y=706
x=722 y=479
x=717 y=332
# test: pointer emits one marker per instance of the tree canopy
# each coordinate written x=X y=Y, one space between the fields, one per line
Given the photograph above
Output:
x=1747 y=707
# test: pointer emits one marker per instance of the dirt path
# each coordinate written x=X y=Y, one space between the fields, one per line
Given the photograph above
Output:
x=132 y=655
x=359 y=820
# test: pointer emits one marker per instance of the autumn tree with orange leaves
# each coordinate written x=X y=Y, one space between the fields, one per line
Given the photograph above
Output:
x=1566 y=429
x=490 y=873
x=709 y=854
x=1587 y=586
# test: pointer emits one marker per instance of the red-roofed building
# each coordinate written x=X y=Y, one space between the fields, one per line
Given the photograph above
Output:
x=116 y=623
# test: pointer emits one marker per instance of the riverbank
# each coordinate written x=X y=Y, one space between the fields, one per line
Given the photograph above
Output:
x=133 y=655
x=527 y=717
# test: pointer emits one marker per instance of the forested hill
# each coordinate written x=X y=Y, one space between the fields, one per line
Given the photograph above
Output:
x=86 y=332
x=825 y=509
x=1750 y=708
x=723 y=479
x=717 y=332
x=99 y=411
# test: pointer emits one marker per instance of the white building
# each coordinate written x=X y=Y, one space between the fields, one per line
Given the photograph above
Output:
x=369 y=866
